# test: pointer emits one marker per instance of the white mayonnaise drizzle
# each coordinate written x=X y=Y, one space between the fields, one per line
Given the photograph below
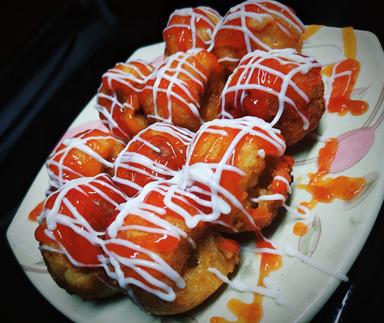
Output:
x=58 y=157
x=195 y=15
x=271 y=289
x=289 y=251
x=259 y=11
x=256 y=63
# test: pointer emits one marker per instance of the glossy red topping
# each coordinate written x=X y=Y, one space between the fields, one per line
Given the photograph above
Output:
x=75 y=217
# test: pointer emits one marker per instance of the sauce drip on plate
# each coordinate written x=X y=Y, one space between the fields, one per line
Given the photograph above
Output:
x=342 y=80
x=253 y=312
x=325 y=189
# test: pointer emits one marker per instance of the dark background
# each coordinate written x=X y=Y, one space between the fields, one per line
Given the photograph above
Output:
x=52 y=56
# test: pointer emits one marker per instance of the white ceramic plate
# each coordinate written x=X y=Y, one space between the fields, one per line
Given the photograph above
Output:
x=344 y=227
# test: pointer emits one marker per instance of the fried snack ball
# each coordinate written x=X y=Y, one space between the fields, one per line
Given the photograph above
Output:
x=157 y=152
x=87 y=154
x=184 y=90
x=237 y=166
x=190 y=28
x=118 y=98
x=72 y=226
x=256 y=24
x=213 y=251
x=160 y=249
x=281 y=87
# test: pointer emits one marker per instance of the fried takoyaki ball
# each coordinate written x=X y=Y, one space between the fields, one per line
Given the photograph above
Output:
x=213 y=251
x=71 y=232
x=281 y=87
x=87 y=154
x=118 y=98
x=256 y=24
x=190 y=28
x=157 y=152
x=184 y=90
x=238 y=166
x=160 y=249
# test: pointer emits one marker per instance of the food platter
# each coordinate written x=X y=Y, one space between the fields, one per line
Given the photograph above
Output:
x=333 y=240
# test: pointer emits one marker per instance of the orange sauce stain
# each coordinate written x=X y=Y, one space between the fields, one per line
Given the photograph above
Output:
x=300 y=229
x=327 y=70
x=310 y=31
x=33 y=215
x=253 y=312
x=349 y=41
x=326 y=189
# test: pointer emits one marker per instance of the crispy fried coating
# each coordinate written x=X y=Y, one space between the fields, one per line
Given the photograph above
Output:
x=88 y=283
x=200 y=283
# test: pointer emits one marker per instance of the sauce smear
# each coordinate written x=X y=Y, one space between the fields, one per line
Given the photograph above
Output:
x=34 y=214
x=325 y=189
x=253 y=312
x=310 y=31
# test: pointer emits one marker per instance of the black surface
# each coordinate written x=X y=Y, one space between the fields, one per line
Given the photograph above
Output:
x=53 y=54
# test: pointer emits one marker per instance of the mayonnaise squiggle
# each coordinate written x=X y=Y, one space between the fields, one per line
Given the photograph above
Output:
x=241 y=82
x=271 y=289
